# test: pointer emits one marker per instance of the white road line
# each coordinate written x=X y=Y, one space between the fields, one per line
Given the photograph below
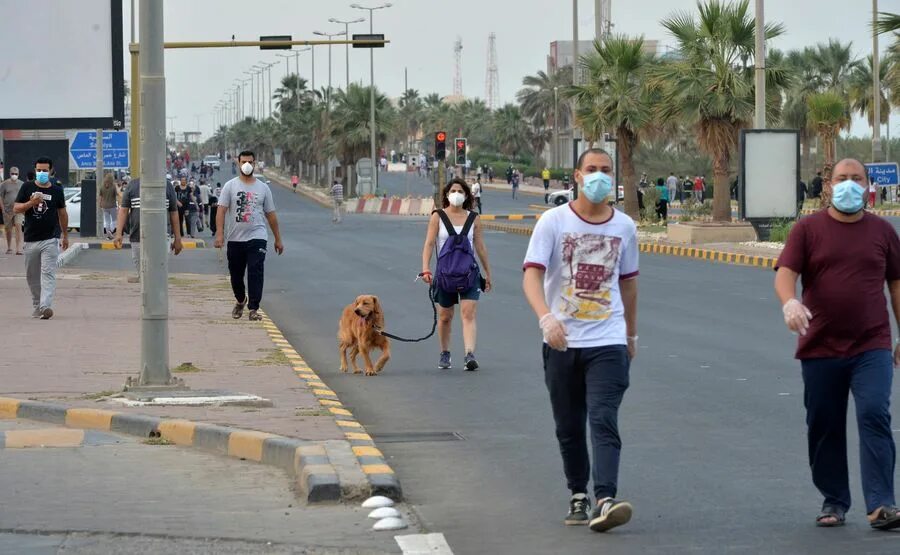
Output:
x=423 y=544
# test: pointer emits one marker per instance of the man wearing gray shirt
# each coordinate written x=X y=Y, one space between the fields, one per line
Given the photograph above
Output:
x=9 y=189
x=248 y=203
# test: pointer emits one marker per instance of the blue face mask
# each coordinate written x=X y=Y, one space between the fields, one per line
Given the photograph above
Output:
x=848 y=197
x=42 y=177
x=597 y=187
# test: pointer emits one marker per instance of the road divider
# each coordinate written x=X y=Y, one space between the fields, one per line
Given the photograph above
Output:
x=109 y=246
x=510 y=217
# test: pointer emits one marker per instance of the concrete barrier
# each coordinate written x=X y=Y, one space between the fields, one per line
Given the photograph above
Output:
x=372 y=206
x=395 y=206
x=415 y=205
x=427 y=207
x=404 y=207
x=385 y=206
x=360 y=206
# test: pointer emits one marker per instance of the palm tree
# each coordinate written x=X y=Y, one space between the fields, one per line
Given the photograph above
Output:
x=350 y=120
x=805 y=82
x=291 y=93
x=540 y=102
x=827 y=115
x=860 y=90
x=834 y=62
x=887 y=23
x=411 y=113
x=711 y=86
x=617 y=97
x=510 y=130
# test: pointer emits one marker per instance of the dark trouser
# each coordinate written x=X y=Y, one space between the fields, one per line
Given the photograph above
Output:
x=827 y=383
x=478 y=202
x=213 y=207
x=247 y=257
x=587 y=385
x=662 y=210
x=181 y=221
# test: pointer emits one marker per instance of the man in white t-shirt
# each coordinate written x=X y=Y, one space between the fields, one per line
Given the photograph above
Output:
x=204 y=203
x=248 y=203
x=476 y=192
x=580 y=279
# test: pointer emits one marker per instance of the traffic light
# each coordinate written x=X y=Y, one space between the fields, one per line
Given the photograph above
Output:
x=461 y=152
x=440 y=146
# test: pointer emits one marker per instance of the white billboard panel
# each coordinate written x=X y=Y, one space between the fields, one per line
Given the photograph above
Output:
x=61 y=65
x=770 y=171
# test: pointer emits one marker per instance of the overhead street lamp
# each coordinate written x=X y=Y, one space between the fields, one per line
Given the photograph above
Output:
x=252 y=95
x=346 y=25
x=329 y=35
x=260 y=110
x=372 y=87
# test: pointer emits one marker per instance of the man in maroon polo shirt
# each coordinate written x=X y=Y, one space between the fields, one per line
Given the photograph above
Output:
x=844 y=256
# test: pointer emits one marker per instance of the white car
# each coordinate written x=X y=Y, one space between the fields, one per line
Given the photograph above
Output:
x=73 y=206
x=561 y=197
x=212 y=161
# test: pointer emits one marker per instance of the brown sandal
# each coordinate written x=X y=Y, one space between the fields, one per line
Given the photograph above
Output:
x=831 y=511
x=888 y=518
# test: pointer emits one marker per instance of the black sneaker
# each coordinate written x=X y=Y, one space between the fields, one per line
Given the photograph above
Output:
x=579 y=505
x=610 y=513
x=444 y=363
x=470 y=362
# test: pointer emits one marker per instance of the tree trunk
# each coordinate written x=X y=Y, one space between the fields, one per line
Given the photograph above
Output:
x=828 y=139
x=721 y=189
x=627 y=143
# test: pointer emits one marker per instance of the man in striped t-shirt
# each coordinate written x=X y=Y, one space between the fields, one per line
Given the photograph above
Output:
x=130 y=210
x=337 y=194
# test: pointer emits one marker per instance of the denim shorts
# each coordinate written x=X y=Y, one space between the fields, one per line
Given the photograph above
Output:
x=447 y=299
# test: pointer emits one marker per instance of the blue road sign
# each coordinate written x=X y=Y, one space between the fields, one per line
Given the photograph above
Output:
x=83 y=148
x=884 y=174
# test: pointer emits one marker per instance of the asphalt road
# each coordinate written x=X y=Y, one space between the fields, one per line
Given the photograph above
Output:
x=714 y=453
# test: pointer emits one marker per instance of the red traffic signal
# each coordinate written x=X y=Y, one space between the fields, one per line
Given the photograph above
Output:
x=460 y=144
x=440 y=145
x=440 y=136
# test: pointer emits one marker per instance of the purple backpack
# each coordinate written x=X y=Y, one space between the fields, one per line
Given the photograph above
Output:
x=456 y=267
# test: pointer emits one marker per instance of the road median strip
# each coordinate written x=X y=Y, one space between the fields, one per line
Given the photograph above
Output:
x=109 y=246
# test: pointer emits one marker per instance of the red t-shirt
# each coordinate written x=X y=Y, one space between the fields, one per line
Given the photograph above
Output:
x=843 y=267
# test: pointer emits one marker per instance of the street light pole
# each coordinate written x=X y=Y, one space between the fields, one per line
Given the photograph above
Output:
x=759 y=121
x=876 y=89
x=329 y=35
x=154 y=251
x=372 y=91
x=347 y=46
x=251 y=94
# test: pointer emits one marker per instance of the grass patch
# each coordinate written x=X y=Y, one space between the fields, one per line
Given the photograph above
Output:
x=274 y=358
x=312 y=412
x=186 y=368
x=780 y=230
x=652 y=228
x=157 y=441
x=183 y=282
x=99 y=394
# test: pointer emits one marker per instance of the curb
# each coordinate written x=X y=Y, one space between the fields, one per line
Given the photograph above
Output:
x=306 y=462
x=109 y=246
x=712 y=255
x=380 y=476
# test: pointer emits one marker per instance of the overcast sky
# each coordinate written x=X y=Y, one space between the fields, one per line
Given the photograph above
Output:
x=422 y=33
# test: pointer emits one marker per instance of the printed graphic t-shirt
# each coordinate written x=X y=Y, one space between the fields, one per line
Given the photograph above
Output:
x=584 y=263
x=131 y=199
x=247 y=209
x=42 y=221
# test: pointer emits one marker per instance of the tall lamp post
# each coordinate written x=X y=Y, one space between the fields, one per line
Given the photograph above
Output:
x=252 y=95
x=329 y=35
x=759 y=120
x=876 y=89
x=346 y=25
x=372 y=88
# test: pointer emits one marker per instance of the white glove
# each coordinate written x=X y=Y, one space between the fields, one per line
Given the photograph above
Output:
x=554 y=332
x=796 y=316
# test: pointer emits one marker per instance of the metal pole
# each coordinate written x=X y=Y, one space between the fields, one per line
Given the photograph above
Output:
x=270 y=89
x=759 y=120
x=598 y=24
x=312 y=54
x=134 y=150
x=555 y=152
x=297 y=63
x=876 y=89
x=329 y=72
x=154 y=264
x=98 y=174
x=372 y=103
x=575 y=72
x=347 y=55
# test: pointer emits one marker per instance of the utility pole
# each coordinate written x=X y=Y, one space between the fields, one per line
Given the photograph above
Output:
x=154 y=264
x=759 y=120
x=98 y=177
x=876 y=89
x=347 y=47
x=576 y=77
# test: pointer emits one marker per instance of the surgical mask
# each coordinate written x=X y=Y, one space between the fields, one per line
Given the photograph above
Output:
x=246 y=168
x=847 y=197
x=42 y=177
x=456 y=199
x=597 y=186
x=14 y=176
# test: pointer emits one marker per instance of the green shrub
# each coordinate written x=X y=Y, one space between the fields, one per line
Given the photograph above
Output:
x=651 y=197
x=780 y=230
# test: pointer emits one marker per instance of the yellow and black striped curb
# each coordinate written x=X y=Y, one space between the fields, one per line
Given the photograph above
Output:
x=510 y=217
x=109 y=246
x=672 y=250
x=380 y=476
x=51 y=437
x=305 y=461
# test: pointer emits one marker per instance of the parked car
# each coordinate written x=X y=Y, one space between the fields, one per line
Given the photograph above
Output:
x=73 y=206
x=561 y=197
x=212 y=161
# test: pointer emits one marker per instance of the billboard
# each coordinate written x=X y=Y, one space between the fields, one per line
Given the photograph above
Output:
x=62 y=68
x=769 y=173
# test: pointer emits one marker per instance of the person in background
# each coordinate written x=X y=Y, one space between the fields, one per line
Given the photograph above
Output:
x=642 y=186
x=490 y=173
x=204 y=203
x=699 y=189
x=183 y=198
x=545 y=177
x=845 y=256
x=687 y=188
x=662 y=204
x=108 y=205
x=816 y=186
x=672 y=186
x=801 y=195
x=476 y=193
x=213 y=206
x=337 y=197
x=9 y=190
x=193 y=213
x=515 y=182
x=129 y=218
x=873 y=192
x=295 y=179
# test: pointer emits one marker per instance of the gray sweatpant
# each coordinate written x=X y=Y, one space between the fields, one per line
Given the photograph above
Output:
x=136 y=257
x=40 y=271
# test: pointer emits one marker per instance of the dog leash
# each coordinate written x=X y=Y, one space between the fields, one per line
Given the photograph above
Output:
x=433 y=324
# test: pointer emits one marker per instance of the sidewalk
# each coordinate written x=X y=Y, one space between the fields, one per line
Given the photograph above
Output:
x=83 y=355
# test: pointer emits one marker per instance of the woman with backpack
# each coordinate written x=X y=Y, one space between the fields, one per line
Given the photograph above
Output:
x=456 y=234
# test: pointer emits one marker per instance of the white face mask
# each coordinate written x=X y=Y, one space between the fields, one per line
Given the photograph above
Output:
x=456 y=199
x=247 y=168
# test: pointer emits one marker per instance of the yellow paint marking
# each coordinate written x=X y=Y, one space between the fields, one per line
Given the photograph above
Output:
x=348 y=424
x=95 y=419
x=247 y=444
x=53 y=437
x=324 y=392
x=180 y=432
x=8 y=407
x=377 y=469
x=358 y=435
x=330 y=403
x=340 y=412
x=366 y=451
x=515 y=217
